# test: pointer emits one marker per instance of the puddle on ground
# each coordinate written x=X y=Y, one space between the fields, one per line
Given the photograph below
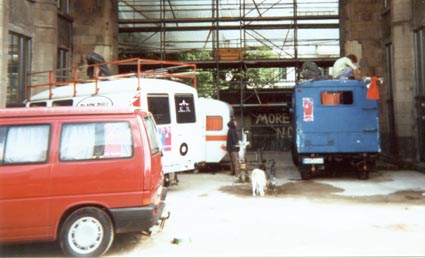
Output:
x=320 y=191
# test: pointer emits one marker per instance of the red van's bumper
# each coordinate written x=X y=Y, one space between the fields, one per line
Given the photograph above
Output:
x=133 y=219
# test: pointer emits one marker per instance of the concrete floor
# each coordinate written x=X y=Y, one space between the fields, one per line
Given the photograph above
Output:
x=340 y=216
x=321 y=217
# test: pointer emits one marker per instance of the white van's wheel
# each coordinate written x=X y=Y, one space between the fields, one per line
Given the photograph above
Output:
x=86 y=232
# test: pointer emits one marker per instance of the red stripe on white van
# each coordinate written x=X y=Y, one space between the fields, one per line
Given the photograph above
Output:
x=211 y=138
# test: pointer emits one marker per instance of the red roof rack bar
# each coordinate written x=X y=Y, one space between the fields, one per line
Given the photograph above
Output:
x=132 y=67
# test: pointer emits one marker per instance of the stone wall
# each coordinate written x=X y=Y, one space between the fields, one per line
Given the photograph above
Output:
x=403 y=77
x=369 y=29
x=92 y=24
x=361 y=35
x=418 y=9
x=95 y=28
x=44 y=40
x=4 y=17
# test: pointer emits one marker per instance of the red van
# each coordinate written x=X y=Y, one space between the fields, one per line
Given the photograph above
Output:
x=78 y=175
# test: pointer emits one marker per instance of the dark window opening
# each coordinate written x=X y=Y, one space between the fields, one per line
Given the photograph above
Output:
x=18 y=66
x=62 y=103
x=38 y=104
x=62 y=74
x=159 y=106
x=185 y=108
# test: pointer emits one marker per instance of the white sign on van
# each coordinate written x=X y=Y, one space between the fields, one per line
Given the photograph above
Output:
x=96 y=101
x=184 y=107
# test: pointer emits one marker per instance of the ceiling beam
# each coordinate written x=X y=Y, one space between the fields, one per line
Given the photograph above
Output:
x=233 y=27
x=228 y=19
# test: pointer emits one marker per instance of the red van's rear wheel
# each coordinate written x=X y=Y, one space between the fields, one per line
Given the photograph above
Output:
x=86 y=232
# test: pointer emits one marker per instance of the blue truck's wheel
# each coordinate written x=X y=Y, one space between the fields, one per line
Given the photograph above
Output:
x=295 y=156
x=305 y=172
x=363 y=175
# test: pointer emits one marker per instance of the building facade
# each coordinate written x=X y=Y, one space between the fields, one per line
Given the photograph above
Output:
x=45 y=35
x=388 y=36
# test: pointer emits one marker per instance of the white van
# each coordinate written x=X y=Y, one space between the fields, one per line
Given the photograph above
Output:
x=192 y=130
x=215 y=128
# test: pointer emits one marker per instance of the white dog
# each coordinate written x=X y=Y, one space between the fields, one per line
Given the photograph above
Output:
x=258 y=181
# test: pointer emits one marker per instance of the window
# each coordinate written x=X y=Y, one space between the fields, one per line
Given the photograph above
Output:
x=62 y=103
x=62 y=65
x=63 y=6
x=18 y=66
x=333 y=98
x=214 y=123
x=185 y=108
x=159 y=106
x=420 y=61
x=283 y=73
x=387 y=3
x=152 y=134
x=24 y=144
x=38 y=104
x=96 y=141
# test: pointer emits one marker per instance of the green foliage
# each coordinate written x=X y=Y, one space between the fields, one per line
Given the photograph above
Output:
x=260 y=53
x=195 y=56
x=209 y=83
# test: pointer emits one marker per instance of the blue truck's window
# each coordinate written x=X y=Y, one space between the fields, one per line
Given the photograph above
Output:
x=87 y=141
x=24 y=144
x=334 y=98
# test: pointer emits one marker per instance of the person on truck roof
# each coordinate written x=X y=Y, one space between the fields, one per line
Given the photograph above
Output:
x=345 y=68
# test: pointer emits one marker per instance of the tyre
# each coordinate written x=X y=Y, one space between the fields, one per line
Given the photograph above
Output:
x=294 y=155
x=305 y=172
x=363 y=175
x=372 y=165
x=86 y=232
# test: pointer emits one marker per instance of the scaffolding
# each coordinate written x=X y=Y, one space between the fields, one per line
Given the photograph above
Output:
x=245 y=47
x=232 y=33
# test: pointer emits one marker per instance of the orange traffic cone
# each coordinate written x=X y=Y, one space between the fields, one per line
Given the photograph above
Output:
x=373 y=91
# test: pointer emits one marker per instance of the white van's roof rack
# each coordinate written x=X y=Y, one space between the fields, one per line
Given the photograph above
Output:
x=121 y=69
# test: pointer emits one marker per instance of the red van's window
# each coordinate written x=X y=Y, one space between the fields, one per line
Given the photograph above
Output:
x=24 y=144
x=87 y=141
x=152 y=134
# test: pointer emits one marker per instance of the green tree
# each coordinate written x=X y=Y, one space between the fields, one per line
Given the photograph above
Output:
x=233 y=78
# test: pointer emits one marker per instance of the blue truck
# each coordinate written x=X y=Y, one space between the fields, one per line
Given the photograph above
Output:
x=334 y=124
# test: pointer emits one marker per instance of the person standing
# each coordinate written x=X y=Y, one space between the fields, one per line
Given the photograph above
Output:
x=344 y=68
x=232 y=146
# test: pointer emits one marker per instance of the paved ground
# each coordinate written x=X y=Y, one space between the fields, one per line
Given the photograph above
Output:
x=325 y=216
